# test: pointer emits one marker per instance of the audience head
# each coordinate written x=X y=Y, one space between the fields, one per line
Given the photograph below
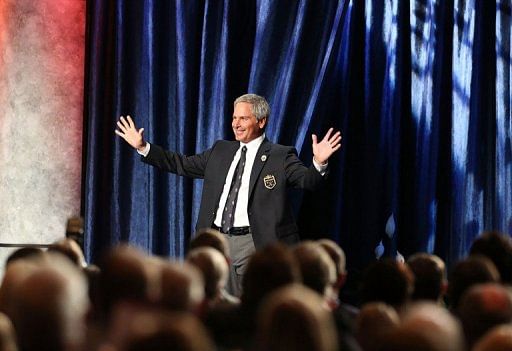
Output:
x=24 y=253
x=182 y=287
x=497 y=339
x=268 y=269
x=483 y=307
x=163 y=332
x=316 y=267
x=429 y=276
x=387 y=281
x=213 y=267
x=466 y=273
x=124 y=276
x=373 y=323
x=337 y=255
x=208 y=237
x=50 y=306
x=425 y=326
x=14 y=274
x=498 y=248
x=293 y=318
x=7 y=335
x=70 y=249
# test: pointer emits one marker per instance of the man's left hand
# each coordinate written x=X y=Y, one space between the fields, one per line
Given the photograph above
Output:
x=326 y=147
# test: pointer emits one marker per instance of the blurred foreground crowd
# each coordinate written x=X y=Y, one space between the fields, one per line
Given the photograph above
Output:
x=130 y=301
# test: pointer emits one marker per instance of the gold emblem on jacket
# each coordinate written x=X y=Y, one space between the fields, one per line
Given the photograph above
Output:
x=270 y=181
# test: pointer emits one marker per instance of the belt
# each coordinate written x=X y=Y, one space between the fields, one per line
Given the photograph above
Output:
x=235 y=231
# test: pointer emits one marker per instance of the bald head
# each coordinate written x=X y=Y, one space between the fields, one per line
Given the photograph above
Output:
x=49 y=307
x=499 y=338
x=124 y=276
x=208 y=237
x=294 y=311
x=213 y=267
x=426 y=327
x=374 y=321
x=483 y=307
x=182 y=287
x=317 y=268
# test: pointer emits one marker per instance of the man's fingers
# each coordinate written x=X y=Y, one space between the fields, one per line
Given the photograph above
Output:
x=335 y=141
x=121 y=127
x=335 y=135
x=124 y=122
x=122 y=135
x=141 y=131
x=313 y=137
x=328 y=134
x=130 y=121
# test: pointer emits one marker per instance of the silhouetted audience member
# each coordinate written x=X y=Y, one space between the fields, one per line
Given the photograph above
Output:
x=7 y=335
x=497 y=339
x=22 y=253
x=69 y=248
x=209 y=237
x=176 y=287
x=214 y=269
x=294 y=318
x=483 y=307
x=425 y=326
x=164 y=332
x=182 y=287
x=124 y=276
x=429 y=277
x=473 y=270
x=14 y=274
x=269 y=269
x=50 y=306
x=387 y=281
x=498 y=248
x=337 y=255
x=319 y=274
x=316 y=268
x=374 y=322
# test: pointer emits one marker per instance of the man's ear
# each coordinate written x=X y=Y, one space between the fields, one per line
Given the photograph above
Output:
x=262 y=122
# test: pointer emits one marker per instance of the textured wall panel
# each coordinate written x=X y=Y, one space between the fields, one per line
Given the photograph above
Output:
x=41 y=101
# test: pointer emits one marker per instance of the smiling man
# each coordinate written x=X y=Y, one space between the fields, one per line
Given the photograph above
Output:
x=245 y=181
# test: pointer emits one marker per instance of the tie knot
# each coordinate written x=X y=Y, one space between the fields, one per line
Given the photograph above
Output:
x=244 y=149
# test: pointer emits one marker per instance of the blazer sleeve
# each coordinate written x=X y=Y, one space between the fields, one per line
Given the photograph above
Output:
x=190 y=166
x=300 y=176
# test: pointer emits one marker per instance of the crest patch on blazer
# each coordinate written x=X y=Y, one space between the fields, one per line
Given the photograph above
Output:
x=270 y=181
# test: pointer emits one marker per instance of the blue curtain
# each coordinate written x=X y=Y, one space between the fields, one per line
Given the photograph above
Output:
x=419 y=89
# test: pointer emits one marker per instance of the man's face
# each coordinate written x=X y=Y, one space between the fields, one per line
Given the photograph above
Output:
x=245 y=125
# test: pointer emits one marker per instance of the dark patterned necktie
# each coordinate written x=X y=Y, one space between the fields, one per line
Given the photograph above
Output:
x=228 y=215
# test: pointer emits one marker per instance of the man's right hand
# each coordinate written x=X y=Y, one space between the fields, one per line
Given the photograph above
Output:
x=128 y=131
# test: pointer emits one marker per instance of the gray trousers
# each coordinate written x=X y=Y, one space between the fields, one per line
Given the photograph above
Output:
x=241 y=248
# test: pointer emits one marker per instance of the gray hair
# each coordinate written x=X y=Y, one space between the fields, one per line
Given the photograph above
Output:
x=260 y=107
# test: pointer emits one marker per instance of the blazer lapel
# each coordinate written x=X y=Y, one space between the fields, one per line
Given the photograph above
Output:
x=225 y=160
x=259 y=161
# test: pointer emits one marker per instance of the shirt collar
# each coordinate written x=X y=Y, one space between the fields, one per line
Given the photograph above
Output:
x=255 y=143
